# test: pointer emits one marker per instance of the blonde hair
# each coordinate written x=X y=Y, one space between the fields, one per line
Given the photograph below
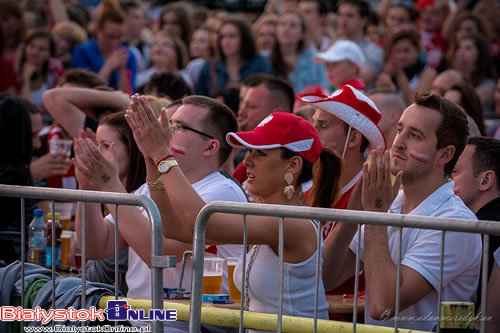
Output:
x=157 y=103
x=70 y=31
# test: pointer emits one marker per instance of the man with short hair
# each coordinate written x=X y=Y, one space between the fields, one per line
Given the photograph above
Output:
x=314 y=13
x=198 y=130
x=263 y=94
x=477 y=182
x=346 y=121
x=391 y=105
x=352 y=21
x=431 y=135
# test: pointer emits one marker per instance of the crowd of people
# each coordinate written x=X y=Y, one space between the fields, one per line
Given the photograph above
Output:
x=387 y=106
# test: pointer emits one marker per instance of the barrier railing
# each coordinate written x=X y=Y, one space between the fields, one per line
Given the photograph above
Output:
x=158 y=261
x=323 y=214
x=257 y=320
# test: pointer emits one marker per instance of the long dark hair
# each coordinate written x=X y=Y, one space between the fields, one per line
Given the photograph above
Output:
x=485 y=65
x=325 y=175
x=470 y=102
x=42 y=34
x=183 y=19
x=179 y=48
x=136 y=174
x=279 y=66
x=248 y=50
x=15 y=131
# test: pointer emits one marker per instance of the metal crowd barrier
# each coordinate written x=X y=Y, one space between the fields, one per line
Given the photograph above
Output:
x=158 y=261
x=323 y=214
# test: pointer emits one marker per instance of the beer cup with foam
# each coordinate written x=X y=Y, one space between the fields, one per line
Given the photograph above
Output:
x=212 y=275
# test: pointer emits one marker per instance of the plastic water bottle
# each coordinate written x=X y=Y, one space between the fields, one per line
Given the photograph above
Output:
x=37 y=239
x=48 y=248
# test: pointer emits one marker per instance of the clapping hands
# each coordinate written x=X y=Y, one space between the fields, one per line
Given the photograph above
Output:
x=152 y=135
x=93 y=170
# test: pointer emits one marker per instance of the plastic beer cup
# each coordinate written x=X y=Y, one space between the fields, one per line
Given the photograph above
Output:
x=234 y=293
x=212 y=275
x=65 y=209
x=65 y=245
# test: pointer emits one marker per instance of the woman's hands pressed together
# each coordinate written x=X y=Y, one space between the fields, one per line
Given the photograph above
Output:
x=93 y=170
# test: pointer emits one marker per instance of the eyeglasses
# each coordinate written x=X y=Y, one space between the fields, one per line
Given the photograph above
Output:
x=178 y=127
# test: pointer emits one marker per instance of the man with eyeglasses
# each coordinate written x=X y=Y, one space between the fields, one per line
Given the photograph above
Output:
x=198 y=130
x=198 y=144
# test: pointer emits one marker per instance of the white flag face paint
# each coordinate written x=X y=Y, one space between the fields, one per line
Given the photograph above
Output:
x=178 y=149
x=420 y=157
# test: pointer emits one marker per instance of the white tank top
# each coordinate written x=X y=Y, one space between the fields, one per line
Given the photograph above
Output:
x=298 y=283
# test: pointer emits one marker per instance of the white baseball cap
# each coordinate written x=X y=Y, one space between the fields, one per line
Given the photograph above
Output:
x=342 y=50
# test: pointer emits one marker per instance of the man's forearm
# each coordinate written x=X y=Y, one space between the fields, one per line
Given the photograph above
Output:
x=380 y=271
x=335 y=254
x=160 y=198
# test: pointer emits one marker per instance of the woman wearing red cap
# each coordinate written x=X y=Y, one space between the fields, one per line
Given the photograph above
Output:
x=282 y=151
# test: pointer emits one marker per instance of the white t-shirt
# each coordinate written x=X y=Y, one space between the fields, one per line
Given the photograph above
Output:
x=298 y=283
x=213 y=187
x=421 y=251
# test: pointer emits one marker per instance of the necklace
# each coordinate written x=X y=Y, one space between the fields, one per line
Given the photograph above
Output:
x=247 y=275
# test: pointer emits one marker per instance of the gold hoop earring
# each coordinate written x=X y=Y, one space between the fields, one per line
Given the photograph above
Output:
x=289 y=189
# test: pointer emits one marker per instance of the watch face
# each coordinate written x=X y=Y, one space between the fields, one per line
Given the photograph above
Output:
x=163 y=167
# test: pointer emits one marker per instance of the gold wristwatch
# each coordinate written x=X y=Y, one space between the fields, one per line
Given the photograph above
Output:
x=165 y=166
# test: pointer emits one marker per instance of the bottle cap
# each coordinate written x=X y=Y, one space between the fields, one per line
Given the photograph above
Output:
x=38 y=213
x=49 y=216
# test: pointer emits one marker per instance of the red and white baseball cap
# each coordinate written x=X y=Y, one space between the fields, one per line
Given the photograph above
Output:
x=352 y=107
x=281 y=129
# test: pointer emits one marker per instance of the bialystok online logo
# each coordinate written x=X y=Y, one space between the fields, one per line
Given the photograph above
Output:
x=115 y=310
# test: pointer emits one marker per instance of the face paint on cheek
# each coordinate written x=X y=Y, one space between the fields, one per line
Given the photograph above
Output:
x=420 y=157
x=178 y=149
x=331 y=145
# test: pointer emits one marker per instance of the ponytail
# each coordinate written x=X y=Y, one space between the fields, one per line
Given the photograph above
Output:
x=326 y=180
